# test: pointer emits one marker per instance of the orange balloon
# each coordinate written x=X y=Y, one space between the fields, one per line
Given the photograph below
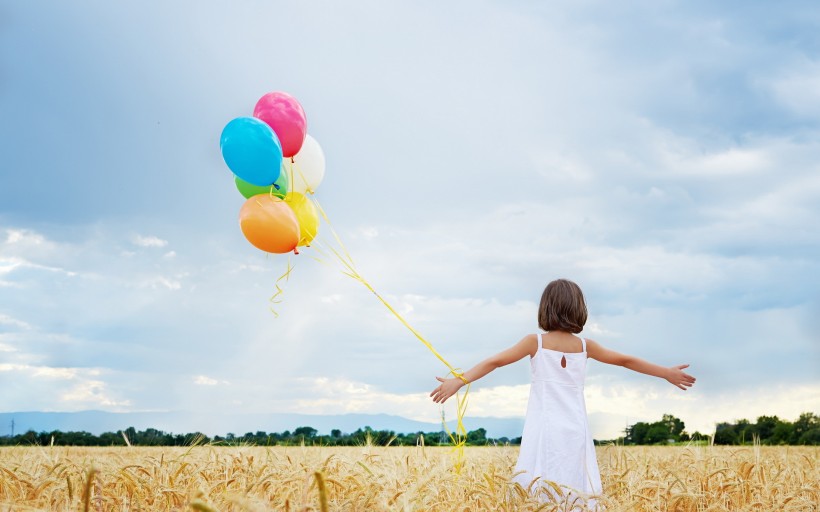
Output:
x=269 y=224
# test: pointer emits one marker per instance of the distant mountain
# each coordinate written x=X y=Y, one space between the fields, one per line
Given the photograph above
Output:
x=97 y=422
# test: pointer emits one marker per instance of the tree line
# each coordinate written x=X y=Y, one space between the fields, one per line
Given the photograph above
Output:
x=771 y=430
x=301 y=435
x=768 y=430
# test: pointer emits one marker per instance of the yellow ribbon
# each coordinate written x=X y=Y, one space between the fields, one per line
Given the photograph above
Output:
x=275 y=298
x=459 y=436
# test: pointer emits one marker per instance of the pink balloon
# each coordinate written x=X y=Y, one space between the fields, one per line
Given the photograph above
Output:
x=285 y=115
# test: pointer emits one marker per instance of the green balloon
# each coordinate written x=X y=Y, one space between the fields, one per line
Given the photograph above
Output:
x=248 y=190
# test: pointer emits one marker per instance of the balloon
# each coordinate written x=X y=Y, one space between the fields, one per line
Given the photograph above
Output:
x=307 y=169
x=284 y=114
x=251 y=150
x=269 y=224
x=279 y=187
x=306 y=215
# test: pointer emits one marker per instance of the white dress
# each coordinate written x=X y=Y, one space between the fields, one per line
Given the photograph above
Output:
x=556 y=445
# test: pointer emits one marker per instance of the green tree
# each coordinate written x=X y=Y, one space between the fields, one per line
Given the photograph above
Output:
x=658 y=433
x=782 y=433
x=744 y=431
x=764 y=427
x=811 y=437
x=478 y=436
x=725 y=433
x=305 y=432
x=697 y=436
x=636 y=434
x=674 y=425
x=131 y=434
x=805 y=423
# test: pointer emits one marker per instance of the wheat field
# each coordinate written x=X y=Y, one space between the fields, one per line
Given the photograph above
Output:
x=214 y=478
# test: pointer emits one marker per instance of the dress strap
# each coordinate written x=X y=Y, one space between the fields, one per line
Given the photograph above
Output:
x=540 y=341
x=583 y=344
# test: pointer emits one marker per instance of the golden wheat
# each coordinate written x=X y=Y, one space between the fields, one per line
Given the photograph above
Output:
x=211 y=478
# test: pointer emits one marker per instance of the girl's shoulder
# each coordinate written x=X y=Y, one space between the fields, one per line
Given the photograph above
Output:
x=533 y=342
x=527 y=345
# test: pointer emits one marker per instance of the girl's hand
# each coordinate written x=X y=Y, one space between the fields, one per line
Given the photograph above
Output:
x=680 y=379
x=447 y=389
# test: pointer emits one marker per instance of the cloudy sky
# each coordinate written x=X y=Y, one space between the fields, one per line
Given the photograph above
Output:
x=664 y=155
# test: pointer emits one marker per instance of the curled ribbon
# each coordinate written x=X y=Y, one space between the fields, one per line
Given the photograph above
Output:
x=275 y=298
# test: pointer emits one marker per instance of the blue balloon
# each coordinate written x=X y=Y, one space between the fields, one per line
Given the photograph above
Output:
x=252 y=150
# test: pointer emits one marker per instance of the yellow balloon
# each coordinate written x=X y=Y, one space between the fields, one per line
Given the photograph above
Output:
x=305 y=214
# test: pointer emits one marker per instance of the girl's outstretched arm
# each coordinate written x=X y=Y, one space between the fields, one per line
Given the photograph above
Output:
x=674 y=374
x=448 y=387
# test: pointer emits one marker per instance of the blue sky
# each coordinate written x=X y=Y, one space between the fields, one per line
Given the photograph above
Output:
x=664 y=155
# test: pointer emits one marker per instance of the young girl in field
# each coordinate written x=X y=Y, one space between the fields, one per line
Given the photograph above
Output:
x=556 y=445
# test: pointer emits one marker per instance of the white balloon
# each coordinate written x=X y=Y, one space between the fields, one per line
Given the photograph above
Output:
x=307 y=170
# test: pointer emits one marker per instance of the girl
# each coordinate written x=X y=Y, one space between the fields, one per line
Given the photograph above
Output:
x=556 y=445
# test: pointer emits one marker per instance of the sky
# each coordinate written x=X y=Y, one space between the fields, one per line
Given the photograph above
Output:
x=662 y=154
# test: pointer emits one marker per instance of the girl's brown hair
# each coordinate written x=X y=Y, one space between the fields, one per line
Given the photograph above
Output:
x=563 y=307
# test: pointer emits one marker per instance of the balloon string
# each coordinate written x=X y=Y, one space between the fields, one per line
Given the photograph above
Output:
x=333 y=231
x=294 y=165
x=457 y=437
x=279 y=291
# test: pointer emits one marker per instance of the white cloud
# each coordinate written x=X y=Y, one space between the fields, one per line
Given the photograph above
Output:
x=648 y=402
x=327 y=319
x=43 y=371
x=54 y=388
x=560 y=167
x=55 y=373
x=161 y=282
x=9 y=265
x=91 y=393
x=342 y=396
x=252 y=268
x=369 y=232
x=729 y=162
x=24 y=236
x=594 y=328
x=148 y=241
x=7 y=320
x=610 y=403
x=203 y=380
x=7 y=367
x=799 y=89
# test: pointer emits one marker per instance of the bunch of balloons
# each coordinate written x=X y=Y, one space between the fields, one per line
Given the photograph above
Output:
x=275 y=163
x=276 y=166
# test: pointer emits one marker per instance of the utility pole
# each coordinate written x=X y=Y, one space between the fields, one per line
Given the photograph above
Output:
x=12 y=427
x=442 y=438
